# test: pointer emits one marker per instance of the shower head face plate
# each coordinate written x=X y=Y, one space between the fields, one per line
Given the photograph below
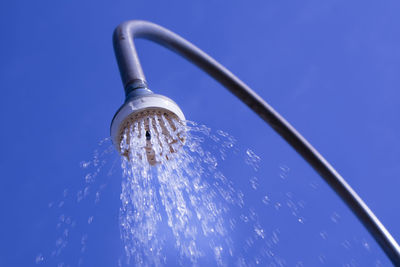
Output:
x=139 y=110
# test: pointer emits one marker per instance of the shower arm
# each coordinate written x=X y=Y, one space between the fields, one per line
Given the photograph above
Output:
x=133 y=78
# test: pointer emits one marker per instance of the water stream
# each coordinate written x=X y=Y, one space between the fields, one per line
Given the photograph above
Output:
x=182 y=201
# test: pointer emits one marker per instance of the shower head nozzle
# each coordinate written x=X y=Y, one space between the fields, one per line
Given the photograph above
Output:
x=139 y=107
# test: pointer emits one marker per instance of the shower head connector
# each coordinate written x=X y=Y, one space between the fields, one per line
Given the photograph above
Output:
x=139 y=106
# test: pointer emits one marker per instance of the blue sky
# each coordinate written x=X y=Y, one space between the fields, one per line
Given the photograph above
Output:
x=330 y=67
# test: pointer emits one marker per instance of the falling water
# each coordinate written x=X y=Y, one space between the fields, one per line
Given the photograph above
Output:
x=183 y=195
x=192 y=196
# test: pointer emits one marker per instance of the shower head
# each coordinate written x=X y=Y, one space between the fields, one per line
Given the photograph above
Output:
x=140 y=105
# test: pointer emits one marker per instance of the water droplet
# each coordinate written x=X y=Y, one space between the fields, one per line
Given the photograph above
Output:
x=88 y=178
x=86 y=191
x=244 y=218
x=366 y=245
x=79 y=196
x=84 y=164
x=60 y=204
x=322 y=258
x=275 y=238
x=323 y=235
x=260 y=232
x=346 y=244
x=252 y=159
x=266 y=200
x=84 y=239
x=222 y=133
x=284 y=171
x=39 y=258
x=97 y=199
x=301 y=204
x=335 y=217
x=314 y=185
x=65 y=193
x=254 y=182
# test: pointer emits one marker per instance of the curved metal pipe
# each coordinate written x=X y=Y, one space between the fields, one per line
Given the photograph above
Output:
x=133 y=77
